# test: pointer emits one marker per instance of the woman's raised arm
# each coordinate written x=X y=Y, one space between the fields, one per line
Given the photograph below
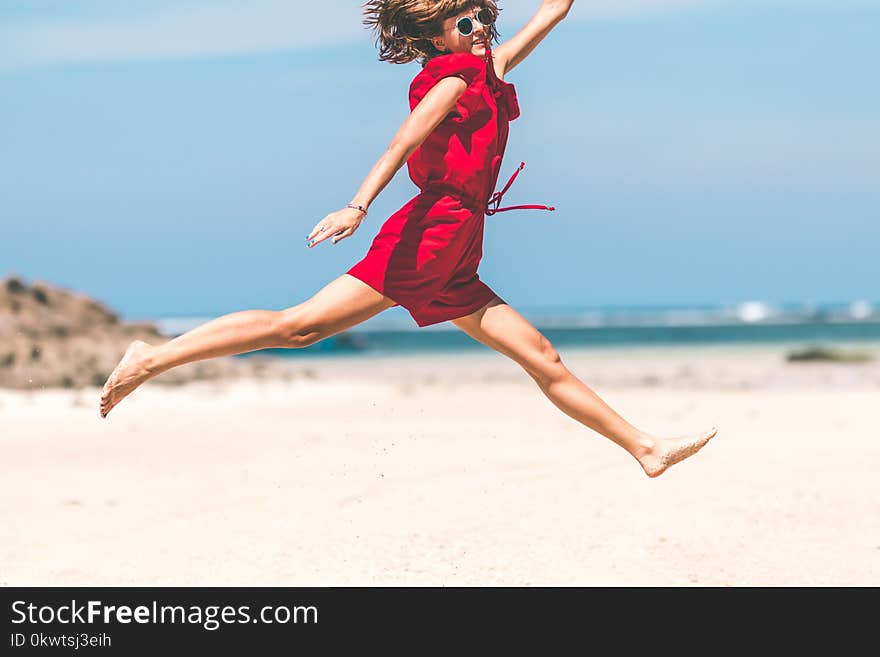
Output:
x=427 y=115
x=518 y=47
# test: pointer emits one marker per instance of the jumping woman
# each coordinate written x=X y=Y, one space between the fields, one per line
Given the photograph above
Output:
x=425 y=256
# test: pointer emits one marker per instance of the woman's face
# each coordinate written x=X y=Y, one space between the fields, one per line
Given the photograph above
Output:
x=451 y=40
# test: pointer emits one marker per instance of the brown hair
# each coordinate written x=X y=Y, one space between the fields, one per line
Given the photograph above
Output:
x=404 y=28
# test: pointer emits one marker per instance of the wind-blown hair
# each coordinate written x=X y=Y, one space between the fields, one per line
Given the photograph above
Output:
x=404 y=28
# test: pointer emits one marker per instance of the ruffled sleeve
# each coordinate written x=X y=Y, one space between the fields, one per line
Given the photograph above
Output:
x=467 y=66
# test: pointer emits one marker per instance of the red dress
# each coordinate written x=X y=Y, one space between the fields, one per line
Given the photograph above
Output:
x=426 y=254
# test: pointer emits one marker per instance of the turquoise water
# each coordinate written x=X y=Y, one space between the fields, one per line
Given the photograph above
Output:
x=394 y=332
x=382 y=342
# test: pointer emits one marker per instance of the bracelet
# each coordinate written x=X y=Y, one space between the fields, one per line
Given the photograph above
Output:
x=357 y=207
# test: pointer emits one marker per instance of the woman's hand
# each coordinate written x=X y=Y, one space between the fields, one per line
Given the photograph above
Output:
x=336 y=225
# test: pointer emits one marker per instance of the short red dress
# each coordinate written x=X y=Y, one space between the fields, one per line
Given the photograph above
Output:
x=426 y=254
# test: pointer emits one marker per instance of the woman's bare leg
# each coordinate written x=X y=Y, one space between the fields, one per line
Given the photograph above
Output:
x=337 y=306
x=505 y=330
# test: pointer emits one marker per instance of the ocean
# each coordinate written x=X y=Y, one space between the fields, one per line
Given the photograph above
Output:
x=394 y=332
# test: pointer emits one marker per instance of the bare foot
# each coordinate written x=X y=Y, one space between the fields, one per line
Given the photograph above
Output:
x=128 y=375
x=669 y=451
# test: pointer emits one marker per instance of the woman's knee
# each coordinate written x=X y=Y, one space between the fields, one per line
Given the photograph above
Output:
x=548 y=366
x=299 y=327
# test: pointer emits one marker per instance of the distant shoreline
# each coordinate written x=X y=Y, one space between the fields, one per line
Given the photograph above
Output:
x=766 y=337
x=749 y=314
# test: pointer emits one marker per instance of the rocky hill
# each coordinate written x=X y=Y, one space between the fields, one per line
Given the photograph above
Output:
x=54 y=337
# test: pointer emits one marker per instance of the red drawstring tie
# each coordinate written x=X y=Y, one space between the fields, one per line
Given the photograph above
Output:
x=497 y=196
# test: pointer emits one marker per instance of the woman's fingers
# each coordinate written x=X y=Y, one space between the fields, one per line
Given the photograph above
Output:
x=319 y=237
x=320 y=232
x=342 y=235
x=336 y=233
x=333 y=226
x=316 y=230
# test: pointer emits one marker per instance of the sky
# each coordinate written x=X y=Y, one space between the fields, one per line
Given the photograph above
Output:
x=168 y=157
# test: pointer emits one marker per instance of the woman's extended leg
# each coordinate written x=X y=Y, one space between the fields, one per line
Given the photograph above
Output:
x=337 y=306
x=505 y=330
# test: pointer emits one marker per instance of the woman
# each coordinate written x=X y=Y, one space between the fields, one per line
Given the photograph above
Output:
x=425 y=256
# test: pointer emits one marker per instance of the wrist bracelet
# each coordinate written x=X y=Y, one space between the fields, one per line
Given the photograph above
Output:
x=357 y=207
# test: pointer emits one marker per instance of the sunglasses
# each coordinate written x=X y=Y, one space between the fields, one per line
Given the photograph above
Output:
x=465 y=24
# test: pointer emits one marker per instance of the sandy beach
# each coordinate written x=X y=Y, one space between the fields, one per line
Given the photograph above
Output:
x=450 y=470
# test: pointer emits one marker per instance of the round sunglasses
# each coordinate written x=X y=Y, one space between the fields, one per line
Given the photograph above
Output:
x=465 y=24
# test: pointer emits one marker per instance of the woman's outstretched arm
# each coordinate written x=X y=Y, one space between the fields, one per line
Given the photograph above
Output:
x=518 y=47
x=426 y=116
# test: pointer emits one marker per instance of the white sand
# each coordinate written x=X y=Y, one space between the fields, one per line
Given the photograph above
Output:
x=449 y=471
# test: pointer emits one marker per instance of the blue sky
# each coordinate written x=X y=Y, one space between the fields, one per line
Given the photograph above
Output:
x=170 y=157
